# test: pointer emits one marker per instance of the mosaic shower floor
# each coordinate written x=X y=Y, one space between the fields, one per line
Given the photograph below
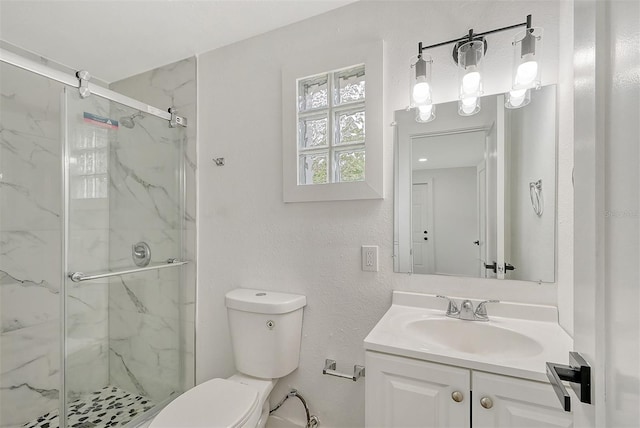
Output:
x=109 y=407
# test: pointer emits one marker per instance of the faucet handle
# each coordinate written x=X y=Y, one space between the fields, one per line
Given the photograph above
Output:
x=452 y=309
x=481 y=309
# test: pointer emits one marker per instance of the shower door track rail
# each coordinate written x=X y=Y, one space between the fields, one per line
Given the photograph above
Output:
x=80 y=277
x=59 y=76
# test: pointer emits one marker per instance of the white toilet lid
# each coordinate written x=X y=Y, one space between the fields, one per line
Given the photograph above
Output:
x=215 y=403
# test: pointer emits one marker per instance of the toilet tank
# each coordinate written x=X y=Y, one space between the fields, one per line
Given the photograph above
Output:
x=265 y=328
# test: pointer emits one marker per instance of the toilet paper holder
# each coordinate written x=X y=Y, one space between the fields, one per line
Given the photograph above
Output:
x=330 y=369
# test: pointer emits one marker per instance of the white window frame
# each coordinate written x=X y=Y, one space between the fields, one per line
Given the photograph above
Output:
x=320 y=61
x=331 y=111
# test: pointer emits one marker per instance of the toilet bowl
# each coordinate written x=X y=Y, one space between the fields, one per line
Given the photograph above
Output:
x=239 y=401
x=266 y=328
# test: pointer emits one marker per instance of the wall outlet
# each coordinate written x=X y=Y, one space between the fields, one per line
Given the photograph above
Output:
x=370 y=258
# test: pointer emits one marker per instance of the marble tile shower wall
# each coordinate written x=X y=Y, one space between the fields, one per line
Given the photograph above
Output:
x=31 y=261
x=151 y=317
x=30 y=243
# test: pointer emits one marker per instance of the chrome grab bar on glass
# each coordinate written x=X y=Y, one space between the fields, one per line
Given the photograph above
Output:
x=79 y=276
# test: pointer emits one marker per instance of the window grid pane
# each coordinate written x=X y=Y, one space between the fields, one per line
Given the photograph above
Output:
x=313 y=131
x=313 y=93
x=350 y=165
x=350 y=127
x=314 y=168
x=349 y=85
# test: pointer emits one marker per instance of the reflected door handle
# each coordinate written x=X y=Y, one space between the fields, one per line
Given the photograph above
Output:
x=578 y=372
x=507 y=267
x=493 y=267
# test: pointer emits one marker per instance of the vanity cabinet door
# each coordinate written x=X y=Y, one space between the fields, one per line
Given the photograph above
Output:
x=502 y=401
x=403 y=392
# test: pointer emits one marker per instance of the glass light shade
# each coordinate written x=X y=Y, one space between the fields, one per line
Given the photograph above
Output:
x=470 y=57
x=527 y=55
x=468 y=106
x=517 y=98
x=425 y=113
x=420 y=80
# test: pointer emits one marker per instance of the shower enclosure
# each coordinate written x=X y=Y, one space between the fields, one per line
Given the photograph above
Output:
x=92 y=268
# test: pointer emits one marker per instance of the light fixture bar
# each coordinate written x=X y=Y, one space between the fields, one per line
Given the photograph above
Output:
x=472 y=35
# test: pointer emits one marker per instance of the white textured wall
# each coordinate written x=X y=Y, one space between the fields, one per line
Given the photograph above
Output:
x=249 y=238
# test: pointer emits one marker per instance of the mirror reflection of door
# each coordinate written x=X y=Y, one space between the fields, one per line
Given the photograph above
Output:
x=448 y=162
x=422 y=232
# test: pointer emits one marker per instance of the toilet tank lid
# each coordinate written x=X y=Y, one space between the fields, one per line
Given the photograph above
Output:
x=264 y=302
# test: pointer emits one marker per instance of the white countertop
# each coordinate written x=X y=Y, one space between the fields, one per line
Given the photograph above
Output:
x=537 y=322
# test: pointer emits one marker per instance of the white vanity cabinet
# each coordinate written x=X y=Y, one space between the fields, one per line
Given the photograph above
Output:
x=507 y=402
x=405 y=392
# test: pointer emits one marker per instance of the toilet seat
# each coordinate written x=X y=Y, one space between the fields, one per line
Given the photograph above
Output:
x=216 y=403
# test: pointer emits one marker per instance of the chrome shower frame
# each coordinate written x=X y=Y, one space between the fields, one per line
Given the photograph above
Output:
x=87 y=88
x=76 y=81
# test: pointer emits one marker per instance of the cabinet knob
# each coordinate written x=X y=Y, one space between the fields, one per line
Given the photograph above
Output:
x=486 y=402
x=457 y=396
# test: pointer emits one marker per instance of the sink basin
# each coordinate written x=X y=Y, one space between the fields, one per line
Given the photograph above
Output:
x=473 y=337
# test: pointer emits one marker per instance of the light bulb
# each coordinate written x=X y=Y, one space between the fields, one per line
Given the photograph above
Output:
x=425 y=108
x=425 y=113
x=471 y=82
x=468 y=105
x=421 y=90
x=422 y=160
x=469 y=101
x=468 y=109
x=517 y=98
x=526 y=73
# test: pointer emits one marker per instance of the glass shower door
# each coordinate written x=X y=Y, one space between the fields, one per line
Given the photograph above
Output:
x=124 y=199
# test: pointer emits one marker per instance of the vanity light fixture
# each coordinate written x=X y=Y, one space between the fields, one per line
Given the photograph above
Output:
x=420 y=80
x=527 y=52
x=468 y=54
x=526 y=68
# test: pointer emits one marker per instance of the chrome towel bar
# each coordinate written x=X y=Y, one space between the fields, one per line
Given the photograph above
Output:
x=79 y=276
x=330 y=369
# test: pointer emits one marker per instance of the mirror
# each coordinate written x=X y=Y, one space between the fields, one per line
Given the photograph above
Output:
x=476 y=196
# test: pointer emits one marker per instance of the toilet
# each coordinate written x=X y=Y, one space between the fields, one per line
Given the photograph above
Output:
x=265 y=328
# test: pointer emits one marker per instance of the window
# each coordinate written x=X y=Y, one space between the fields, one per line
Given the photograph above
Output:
x=328 y=152
x=88 y=161
x=331 y=127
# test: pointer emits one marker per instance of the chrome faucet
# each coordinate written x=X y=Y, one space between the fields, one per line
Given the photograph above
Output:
x=466 y=311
